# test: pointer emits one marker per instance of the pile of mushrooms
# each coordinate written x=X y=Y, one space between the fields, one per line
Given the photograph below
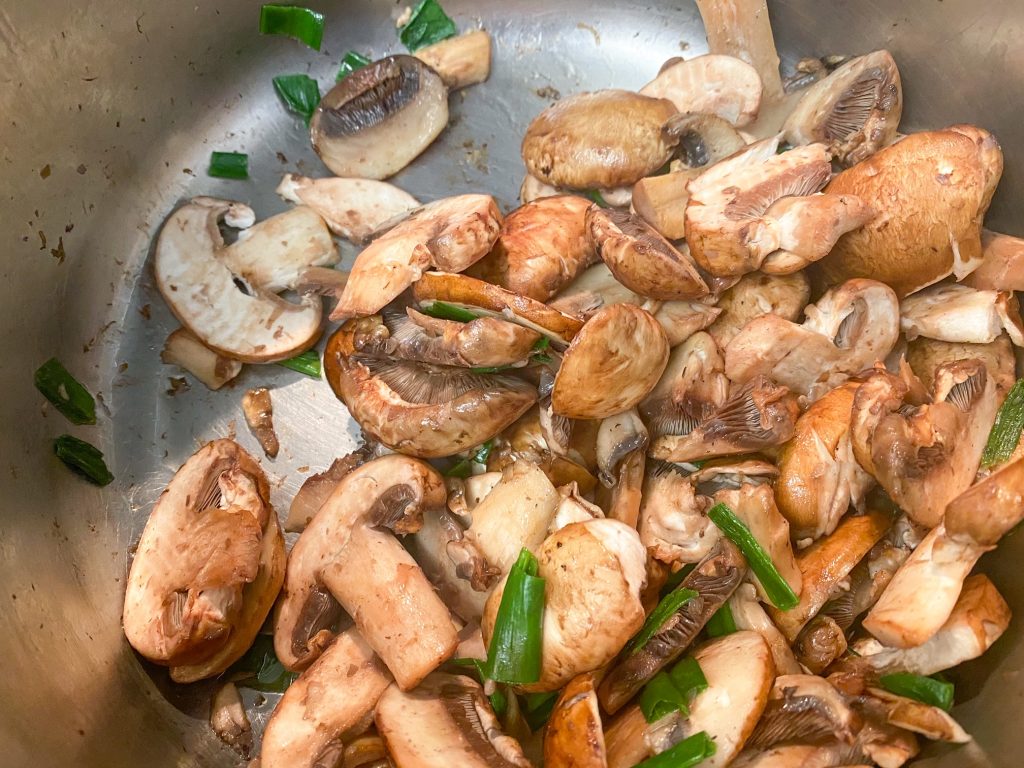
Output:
x=592 y=383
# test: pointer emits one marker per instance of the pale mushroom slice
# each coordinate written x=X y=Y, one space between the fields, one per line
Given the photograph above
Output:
x=208 y=566
x=377 y=120
x=850 y=328
x=258 y=410
x=318 y=487
x=759 y=294
x=573 y=508
x=574 y=736
x=353 y=208
x=712 y=84
x=673 y=524
x=417 y=408
x=347 y=555
x=446 y=721
x=742 y=28
x=185 y=350
x=931 y=722
x=952 y=312
x=460 y=61
x=924 y=356
x=989 y=509
x=618 y=437
x=804 y=709
x=608 y=556
x=599 y=140
x=1002 y=264
x=924 y=456
x=329 y=705
x=930 y=191
x=225 y=295
x=661 y=201
x=856 y=110
x=748 y=613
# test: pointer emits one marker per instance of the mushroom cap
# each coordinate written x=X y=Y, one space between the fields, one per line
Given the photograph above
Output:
x=611 y=364
x=713 y=84
x=598 y=140
x=989 y=509
x=574 y=736
x=377 y=120
x=757 y=294
x=930 y=191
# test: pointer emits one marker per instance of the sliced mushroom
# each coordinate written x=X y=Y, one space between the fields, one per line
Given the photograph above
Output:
x=741 y=28
x=953 y=312
x=804 y=708
x=1002 y=264
x=184 y=350
x=460 y=61
x=225 y=295
x=598 y=140
x=801 y=756
x=617 y=437
x=703 y=141
x=989 y=509
x=533 y=188
x=625 y=496
x=809 y=226
x=377 y=120
x=574 y=736
x=573 y=508
x=673 y=523
x=661 y=201
x=259 y=415
x=713 y=84
x=759 y=294
x=229 y=721
x=856 y=110
x=930 y=191
x=819 y=643
x=930 y=722
x=326 y=707
x=208 y=566
x=924 y=356
x=318 y=487
x=748 y=614
x=419 y=409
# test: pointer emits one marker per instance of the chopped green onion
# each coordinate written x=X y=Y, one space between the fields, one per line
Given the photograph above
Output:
x=442 y=310
x=499 y=702
x=65 y=392
x=593 y=194
x=490 y=368
x=428 y=24
x=675 y=579
x=260 y=669
x=538 y=709
x=350 y=62
x=1005 y=434
x=83 y=458
x=937 y=693
x=304 y=25
x=514 y=655
x=777 y=588
x=672 y=691
x=686 y=754
x=542 y=343
x=483 y=452
x=229 y=165
x=464 y=468
x=663 y=610
x=721 y=622
x=300 y=93
x=541 y=358
x=308 y=363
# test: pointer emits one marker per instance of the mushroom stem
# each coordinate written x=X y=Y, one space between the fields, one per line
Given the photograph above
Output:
x=185 y=350
x=742 y=28
x=460 y=61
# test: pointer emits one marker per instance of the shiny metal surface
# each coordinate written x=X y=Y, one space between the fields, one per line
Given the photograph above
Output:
x=110 y=111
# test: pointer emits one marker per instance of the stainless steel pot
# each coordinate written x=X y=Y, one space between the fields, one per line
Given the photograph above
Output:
x=109 y=113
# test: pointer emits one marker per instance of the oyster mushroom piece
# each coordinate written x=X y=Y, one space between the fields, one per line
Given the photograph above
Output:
x=377 y=120
x=711 y=84
x=924 y=356
x=460 y=61
x=1002 y=264
x=673 y=522
x=930 y=191
x=184 y=350
x=748 y=614
x=804 y=708
x=856 y=110
x=328 y=705
x=599 y=140
x=208 y=566
x=759 y=294
x=957 y=313
x=611 y=364
x=446 y=721
x=225 y=295
x=229 y=721
x=574 y=736
x=741 y=28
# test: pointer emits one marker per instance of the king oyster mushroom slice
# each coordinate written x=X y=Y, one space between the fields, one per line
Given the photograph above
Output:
x=574 y=735
x=856 y=110
x=924 y=356
x=184 y=350
x=225 y=295
x=449 y=234
x=917 y=717
x=714 y=580
x=930 y=191
x=673 y=523
x=416 y=408
x=924 y=456
x=759 y=294
x=326 y=707
x=608 y=556
x=446 y=721
x=747 y=613
x=713 y=84
x=376 y=121
x=208 y=566
x=599 y=140
x=611 y=364
x=850 y=328
x=952 y=312
x=1002 y=264
x=348 y=554
x=804 y=708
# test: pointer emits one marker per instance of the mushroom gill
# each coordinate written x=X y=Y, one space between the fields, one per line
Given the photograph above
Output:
x=805 y=709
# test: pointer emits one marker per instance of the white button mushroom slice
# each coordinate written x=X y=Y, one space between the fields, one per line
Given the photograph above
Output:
x=856 y=110
x=924 y=356
x=804 y=708
x=183 y=349
x=931 y=722
x=446 y=721
x=318 y=487
x=573 y=508
x=748 y=614
x=850 y=328
x=953 y=312
x=714 y=84
x=673 y=524
x=328 y=705
x=594 y=572
x=229 y=721
x=460 y=61
x=208 y=566
x=741 y=28
x=758 y=294
x=1002 y=264
x=574 y=735
x=247 y=322
x=377 y=120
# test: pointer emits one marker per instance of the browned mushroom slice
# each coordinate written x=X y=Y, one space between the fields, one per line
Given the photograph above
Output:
x=598 y=140
x=641 y=259
x=259 y=415
x=617 y=437
x=318 y=487
x=957 y=313
x=926 y=355
x=809 y=226
x=1002 y=264
x=758 y=294
x=989 y=509
x=611 y=365
x=208 y=566
x=329 y=705
x=931 y=190
x=741 y=28
x=856 y=110
x=931 y=722
x=661 y=201
x=804 y=708
x=712 y=84
x=574 y=736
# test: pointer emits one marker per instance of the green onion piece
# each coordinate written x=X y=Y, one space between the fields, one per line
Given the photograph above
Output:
x=463 y=468
x=538 y=709
x=514 y=654
x=229 y=165
x=776 y=587
x=593 y=194
x=428 y=24
x=83 y=458
x=686 y=754
x=308 y=363
x=65 y=392
x=1005 y=434
x=673 y=690
x=937 y=693
x=300 y=93
x=675 y=579
x=499 y=702
x=490 y=368
x=350 y=62
x=260 y=669
x=541 y=358
x=304 y=25
x=542 y=344
x=721 y=622
x=663 y=610
x=442 y=310
x=483 y=452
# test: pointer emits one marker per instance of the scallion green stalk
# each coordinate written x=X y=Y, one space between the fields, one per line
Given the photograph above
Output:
x=595 y=195
x=686 y=754
x=1005 y=434
x=350 y=62
x=514 y=653
x=260 y=669
x=303 y=24
x=668 y=605
x=83 y=458
x=721 y=622
x=442 y=310
x=308 y=363
x=672 y=690
x=65 y=392
x=937 y=693
x=229 y=165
